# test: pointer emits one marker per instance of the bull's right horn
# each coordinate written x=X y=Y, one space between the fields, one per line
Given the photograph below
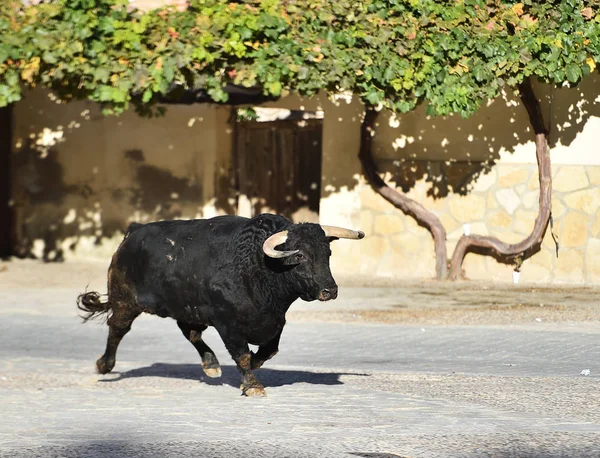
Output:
x=341 y=233
x=275 y=240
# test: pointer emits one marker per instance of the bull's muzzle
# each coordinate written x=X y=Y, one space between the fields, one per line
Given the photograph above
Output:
x=328 y=293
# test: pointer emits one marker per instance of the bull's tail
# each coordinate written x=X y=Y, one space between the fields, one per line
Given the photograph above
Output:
x=92 y=306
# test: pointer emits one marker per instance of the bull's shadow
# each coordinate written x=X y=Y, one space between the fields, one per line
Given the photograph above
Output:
x=231 y=376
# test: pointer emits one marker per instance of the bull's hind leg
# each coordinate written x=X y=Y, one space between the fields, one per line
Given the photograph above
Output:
x=119 y=324
x=210 y=363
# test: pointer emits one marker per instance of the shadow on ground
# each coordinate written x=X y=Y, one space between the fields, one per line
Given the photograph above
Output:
x=231 y=376
x=440 y=446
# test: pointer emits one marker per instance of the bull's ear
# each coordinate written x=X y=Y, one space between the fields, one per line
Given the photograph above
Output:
x=332 y=239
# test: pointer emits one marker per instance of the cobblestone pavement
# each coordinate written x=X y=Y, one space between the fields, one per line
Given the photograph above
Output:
x=347 y=381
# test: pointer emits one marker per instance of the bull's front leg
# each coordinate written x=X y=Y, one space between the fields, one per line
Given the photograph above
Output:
x=266 y=352
x=250 y=384
x=240 y=352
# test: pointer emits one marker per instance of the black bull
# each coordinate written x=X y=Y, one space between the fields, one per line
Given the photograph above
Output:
x=236 y=274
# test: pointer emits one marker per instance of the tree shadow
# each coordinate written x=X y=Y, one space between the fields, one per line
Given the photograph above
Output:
x=444 y=178
x=450 y=153
x=521 y=451
x=230 y=375
x=61 y=213
x=377 y=455
x=155 y=190
x=117 y=445
x=41 y=192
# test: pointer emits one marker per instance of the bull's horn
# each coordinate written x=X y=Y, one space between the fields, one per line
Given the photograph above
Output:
x=341 y=233
x=275 y=240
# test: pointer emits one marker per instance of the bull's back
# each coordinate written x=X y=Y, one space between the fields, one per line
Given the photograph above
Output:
x=171 y=265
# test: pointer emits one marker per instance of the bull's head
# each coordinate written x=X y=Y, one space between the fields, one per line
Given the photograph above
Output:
x=305 y=249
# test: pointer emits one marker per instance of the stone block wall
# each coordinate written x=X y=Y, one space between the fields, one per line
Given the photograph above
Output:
x=502 y=203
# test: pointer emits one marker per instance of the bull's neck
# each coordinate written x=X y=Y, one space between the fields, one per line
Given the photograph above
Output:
x=273 y=290
x=282 y=291
x=288 y=293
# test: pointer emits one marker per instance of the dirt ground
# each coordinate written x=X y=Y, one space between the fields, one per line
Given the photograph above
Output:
x=416 y=369
x=426 y=302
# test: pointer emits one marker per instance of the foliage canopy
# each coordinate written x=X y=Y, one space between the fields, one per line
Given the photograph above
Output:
x=451 y=55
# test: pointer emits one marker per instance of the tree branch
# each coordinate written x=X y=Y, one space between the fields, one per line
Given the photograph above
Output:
x=518 y=252
x=408 y=206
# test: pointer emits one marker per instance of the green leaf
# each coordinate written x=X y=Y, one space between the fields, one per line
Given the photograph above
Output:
x=147 y=96
x=573 y=72
x=373 y=97
x=49 y=58
x=274 y=88
x=102 y=74
x=479 y=73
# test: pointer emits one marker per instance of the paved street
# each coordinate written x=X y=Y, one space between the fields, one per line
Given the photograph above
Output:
x=379 y=373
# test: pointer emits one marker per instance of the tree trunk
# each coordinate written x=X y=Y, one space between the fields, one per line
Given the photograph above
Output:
x=518 y=252
x=408 y=206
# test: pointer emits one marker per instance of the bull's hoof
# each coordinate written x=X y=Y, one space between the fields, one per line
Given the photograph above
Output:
x=254 y=392
x=210 y=365
x=212 y=372
x=103 y=366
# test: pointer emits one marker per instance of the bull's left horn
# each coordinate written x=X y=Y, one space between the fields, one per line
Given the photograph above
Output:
x=275 y=240
x=341 y=233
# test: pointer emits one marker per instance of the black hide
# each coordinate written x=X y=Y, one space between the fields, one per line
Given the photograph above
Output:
x=214 y=272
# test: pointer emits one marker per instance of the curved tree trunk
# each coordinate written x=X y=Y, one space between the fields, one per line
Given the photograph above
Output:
x=408 y=206
x=516 y=253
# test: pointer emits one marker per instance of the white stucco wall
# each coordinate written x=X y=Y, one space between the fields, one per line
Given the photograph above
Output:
x=105 y=171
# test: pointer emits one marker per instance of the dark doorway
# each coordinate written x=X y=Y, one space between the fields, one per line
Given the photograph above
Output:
x=5 y=182
x=278 y=166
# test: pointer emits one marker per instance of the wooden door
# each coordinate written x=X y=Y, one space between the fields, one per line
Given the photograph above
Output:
x=278 y=168
x=6 y=220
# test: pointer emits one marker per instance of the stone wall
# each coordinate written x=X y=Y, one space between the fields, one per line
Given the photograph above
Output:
x=502 y=203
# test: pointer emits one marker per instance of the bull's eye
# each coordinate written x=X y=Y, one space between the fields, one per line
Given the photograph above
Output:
x=299 y=257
